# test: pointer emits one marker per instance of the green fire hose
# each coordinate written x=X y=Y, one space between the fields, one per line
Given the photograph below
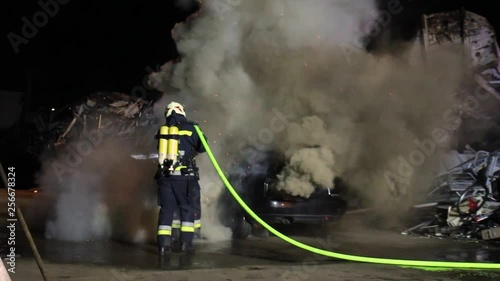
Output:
x=398 y=262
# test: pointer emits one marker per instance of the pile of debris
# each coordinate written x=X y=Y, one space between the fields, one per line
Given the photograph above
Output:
x=126 y=114
x=464 y=203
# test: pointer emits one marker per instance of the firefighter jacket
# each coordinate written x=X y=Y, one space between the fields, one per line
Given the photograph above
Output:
x=189 y=147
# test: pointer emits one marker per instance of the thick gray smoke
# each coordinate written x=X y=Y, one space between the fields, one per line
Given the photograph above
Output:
x=311 y=164
x=350 y=114
x=285 y=75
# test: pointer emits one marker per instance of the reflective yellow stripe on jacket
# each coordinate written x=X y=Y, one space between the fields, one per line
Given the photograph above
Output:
x=185 y=133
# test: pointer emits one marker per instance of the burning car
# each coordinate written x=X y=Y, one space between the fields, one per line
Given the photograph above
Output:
x=257 y=183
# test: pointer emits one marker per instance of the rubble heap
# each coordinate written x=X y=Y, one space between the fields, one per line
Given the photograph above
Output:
x=123 y=112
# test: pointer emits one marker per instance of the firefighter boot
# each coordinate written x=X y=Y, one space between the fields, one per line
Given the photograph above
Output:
x=164 y=251
x=187 y=247
x=164 y=245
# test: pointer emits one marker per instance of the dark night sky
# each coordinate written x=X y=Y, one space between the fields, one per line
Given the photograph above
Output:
x=87 y=46
x=105 y=45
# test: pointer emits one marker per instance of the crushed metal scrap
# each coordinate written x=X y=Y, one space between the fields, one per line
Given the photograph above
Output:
x=464 y=201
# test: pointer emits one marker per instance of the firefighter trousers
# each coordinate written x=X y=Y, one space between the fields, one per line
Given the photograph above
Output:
x=180 y=194
x=176 y=223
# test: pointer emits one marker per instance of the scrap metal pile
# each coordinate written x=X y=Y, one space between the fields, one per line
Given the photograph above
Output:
x=113 y=114
x=464 y=202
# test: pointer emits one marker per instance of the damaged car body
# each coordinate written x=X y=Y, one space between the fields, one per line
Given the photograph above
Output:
x=256 y=182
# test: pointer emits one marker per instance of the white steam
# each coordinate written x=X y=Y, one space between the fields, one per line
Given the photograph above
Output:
x=80 y=213
x=99 y=192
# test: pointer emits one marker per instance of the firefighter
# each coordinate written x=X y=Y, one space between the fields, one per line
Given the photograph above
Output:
x=178 y=178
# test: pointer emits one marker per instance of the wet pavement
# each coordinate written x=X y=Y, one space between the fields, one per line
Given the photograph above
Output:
x=265 y=258
x=145 y=257
x=258 y=251
x=351 y=236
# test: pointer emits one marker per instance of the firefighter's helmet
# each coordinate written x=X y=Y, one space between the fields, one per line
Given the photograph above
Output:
x=174 y=107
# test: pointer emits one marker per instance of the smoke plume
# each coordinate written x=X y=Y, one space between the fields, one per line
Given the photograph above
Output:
x=291 y=76
x=310 y=163
x=350 y=114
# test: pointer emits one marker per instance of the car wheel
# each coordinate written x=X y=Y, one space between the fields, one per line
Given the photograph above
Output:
x=259 y=231
x=242 y=229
